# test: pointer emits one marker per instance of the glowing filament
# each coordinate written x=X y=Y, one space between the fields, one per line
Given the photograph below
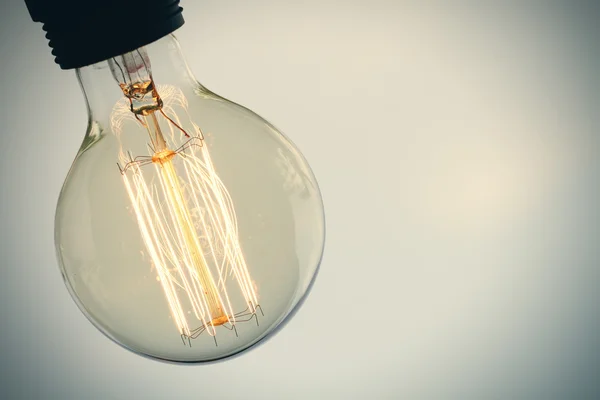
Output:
x=189 y=228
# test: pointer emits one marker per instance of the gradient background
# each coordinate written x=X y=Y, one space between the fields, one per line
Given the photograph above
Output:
x=457 y=149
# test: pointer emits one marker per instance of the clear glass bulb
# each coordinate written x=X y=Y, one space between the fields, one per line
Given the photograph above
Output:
x=188 y=228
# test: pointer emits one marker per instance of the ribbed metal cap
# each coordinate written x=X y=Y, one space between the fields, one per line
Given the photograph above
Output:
x=84 y=32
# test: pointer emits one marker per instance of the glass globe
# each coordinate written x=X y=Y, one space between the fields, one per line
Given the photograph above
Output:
x=188 y=228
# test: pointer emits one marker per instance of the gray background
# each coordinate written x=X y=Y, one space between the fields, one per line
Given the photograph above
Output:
x=456 y=145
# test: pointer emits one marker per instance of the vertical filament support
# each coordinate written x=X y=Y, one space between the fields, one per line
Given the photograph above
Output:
x=183 y=224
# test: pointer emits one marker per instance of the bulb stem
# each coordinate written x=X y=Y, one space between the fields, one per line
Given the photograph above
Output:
x=155 y=133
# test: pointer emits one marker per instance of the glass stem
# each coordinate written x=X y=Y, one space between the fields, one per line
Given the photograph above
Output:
x=156 y=136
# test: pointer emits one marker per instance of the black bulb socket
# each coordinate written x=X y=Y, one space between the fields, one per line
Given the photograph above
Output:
x=84 y=32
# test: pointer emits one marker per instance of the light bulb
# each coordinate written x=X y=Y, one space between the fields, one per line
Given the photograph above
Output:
x=188 y=228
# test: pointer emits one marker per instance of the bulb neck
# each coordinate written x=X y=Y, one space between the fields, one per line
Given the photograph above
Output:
x=133 y=76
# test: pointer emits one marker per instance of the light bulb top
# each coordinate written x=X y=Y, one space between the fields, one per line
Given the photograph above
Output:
x=86 y=32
